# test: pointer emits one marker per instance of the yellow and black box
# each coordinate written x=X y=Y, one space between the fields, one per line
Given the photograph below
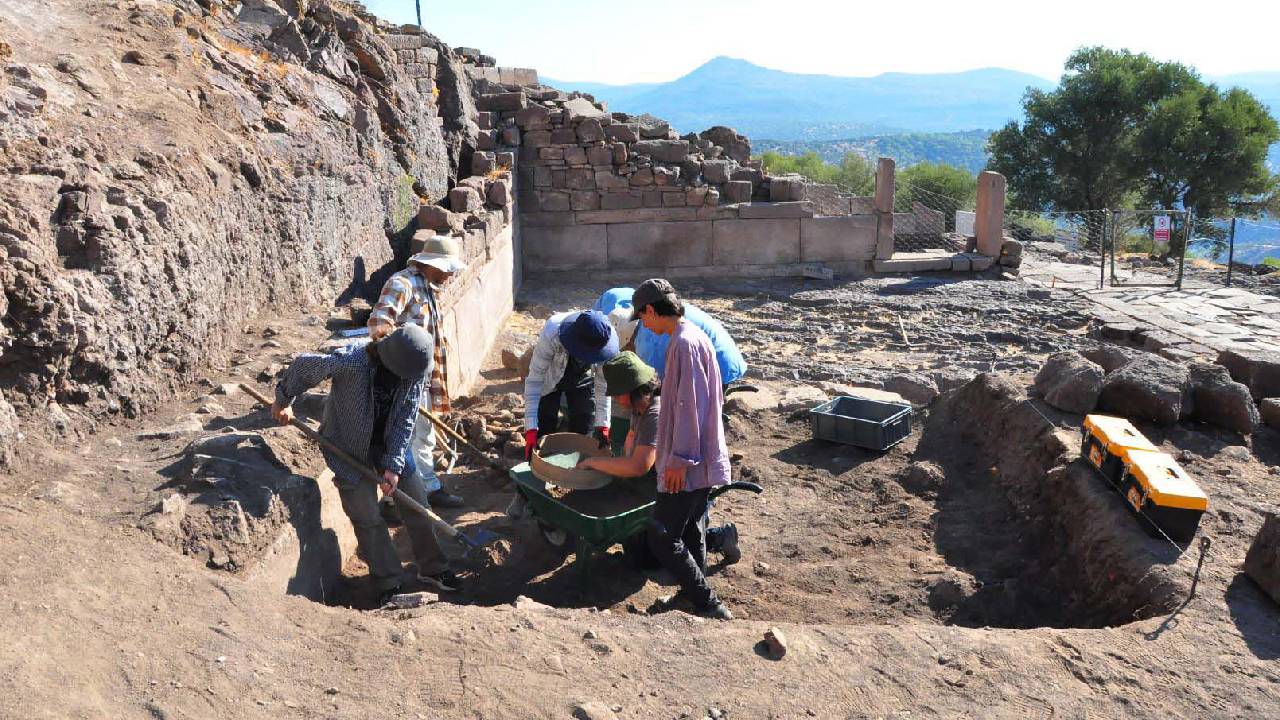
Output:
x=1106 y=442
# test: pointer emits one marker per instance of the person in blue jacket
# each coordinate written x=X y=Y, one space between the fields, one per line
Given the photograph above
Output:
x=652 y=347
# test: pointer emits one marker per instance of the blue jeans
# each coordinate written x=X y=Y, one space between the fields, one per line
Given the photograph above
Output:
x=421 y=445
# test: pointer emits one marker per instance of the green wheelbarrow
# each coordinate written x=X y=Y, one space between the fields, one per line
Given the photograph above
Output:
x=569 y=530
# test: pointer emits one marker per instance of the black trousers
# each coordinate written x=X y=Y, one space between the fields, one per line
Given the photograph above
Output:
x=677 y=536
x=580 y=397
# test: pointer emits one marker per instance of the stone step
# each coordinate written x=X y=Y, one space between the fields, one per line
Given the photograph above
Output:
x=933 y=262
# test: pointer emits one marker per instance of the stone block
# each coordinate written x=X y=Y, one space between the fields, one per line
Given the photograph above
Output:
x=581 y=179
x=485 y=120
x=621 y=201
x=500 y=193
x=756 y=242
x=642 y=177
x=503 y=102
x=553 y=201
x=532 y=218
x=1255 y=369
x=428 y=55
x=511 y=136
x=482 y=163
x=912 y=263
x=548 y=154
x=564 y=136
x=533 y=116
x=623 y=132
x=606 y=180
x=575 y=156
x=600 y=155
x=638 y=216
x=436 y=218
x=584 y=200
x=590 y=131
x=542 y=176
x=576 y=247
x=886 y=171
x=655 y=130
x=653 y=198
x=505 y=160
x=581 y=108
x=695 y=196
x=464 y=199
x=737 y=191
x=666 y=176
x=989 y=223
x=620 y=153
x=673 y=199
x=841 y=238
x=776 y=210
x=712 y=198
x=660 y=244
x=716 y=171
x=786 y=188
x=672 y=151
x=1269 y=411
x=559 y=178
x=537 y=138
x=747 y=174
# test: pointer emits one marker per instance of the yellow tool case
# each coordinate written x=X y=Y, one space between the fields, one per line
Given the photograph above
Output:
x=1151 y=482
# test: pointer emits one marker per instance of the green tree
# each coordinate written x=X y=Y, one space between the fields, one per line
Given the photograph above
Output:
x=854 y=174
x=934 y=183
x=1122 y=129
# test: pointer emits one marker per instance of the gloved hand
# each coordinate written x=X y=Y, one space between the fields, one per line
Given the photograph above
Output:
x=530 y=441
x=602 y=436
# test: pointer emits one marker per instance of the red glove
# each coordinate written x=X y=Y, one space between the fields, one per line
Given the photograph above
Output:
x=530 y=442
x=602 y=435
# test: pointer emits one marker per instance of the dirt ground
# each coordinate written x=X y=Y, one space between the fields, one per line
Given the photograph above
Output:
x=859 y=571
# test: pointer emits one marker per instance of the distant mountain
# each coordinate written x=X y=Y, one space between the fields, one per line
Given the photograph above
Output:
x=966 y=149
x=764 y=103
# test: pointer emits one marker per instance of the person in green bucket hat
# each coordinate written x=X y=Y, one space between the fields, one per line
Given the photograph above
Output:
x=635 y=386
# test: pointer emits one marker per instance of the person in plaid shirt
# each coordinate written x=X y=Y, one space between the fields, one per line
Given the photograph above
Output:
x=410 y=298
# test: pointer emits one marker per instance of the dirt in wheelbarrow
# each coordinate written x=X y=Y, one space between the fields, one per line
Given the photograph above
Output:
x=617 y=497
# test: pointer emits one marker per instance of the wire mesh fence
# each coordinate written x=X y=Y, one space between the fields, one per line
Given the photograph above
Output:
x=925 y=220
x=1147 y=247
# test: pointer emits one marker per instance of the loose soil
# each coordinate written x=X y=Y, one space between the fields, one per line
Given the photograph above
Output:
x=893 y=599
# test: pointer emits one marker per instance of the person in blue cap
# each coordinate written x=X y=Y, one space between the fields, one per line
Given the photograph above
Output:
x=566 y=365
x=652 y=347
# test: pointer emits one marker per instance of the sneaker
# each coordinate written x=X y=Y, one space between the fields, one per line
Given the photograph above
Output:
x=717 y=610
x=443 y=499
x=384 y=597
x=729 y=543
x=444 y=581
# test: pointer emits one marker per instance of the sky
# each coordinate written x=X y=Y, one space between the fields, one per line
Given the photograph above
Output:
x=660 y=40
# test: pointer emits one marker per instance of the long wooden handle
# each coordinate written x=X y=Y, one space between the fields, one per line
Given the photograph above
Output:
x=458 y=438
x=365 y=470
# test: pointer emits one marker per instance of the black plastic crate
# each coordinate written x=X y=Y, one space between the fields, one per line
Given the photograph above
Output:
x=859 y=421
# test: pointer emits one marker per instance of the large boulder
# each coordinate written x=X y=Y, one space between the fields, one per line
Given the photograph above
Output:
x=1262 y=563
x=919 y=389
x=1221 y=401
x=1070 y=382
x=1110 y=357
x=1148 y=388
x=1256 y=369
x=1270 y=412
x=736 y=147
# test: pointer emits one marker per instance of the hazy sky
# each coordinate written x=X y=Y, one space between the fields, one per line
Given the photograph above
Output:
x=658 y=40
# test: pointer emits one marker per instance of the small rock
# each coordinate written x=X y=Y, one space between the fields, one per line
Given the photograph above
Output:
x=1219 y=400
x=331 y=691
x=270 y=372
x=220 y=659
x=775 y=642
x=590 y=635
x=211 y=408
x=1262 y=563
x=1270 y=411
x=760 y=568
x=228 y=389
x=525 y=603
x=594 y=710
x=404 y=637
x=114 y=442
x=135 y=57
x=408 y=601
x=922 y=478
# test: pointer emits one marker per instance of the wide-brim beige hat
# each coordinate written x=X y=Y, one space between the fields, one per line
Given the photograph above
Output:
x=442 y=253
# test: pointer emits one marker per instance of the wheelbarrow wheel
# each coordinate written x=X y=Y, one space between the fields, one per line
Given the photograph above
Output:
x=560 y=540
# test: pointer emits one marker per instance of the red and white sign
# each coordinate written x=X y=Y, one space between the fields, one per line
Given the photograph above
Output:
x=1162 y=229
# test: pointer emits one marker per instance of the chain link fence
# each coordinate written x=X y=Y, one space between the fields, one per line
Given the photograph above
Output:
x=924 y=220
x=1239 y=250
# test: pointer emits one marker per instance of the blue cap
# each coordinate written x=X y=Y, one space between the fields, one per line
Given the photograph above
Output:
x=589 y=337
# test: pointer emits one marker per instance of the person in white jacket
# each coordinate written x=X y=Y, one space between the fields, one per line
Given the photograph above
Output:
x=566 y=365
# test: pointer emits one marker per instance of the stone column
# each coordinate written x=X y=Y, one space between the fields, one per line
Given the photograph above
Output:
x=989 y=224
x=885 y=178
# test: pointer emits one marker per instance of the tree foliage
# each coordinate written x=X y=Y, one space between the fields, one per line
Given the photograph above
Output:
x=853 y=174
x=1124 y=130
x=936 y=184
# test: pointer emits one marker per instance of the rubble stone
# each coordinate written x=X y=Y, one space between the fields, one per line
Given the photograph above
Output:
x=1070 y=382
x=1262 y=562
x=1269 y=411
x=1219 y=400
x=464 y=200
x=1256 y=369
x=1148 y=388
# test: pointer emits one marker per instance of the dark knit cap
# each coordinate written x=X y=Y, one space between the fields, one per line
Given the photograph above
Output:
x=649 y=292
x=407 y=352
x=626 y=372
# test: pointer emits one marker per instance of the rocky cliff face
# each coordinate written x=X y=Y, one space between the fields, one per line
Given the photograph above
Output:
x=172 y=168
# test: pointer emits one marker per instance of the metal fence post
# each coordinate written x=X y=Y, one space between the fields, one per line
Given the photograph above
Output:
x=1231 y=251
x=1102 y=249
x=1189 y=219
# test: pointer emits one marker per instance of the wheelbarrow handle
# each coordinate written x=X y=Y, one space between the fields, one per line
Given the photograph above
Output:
x=435 y=420
x=365 y=471
x=737 y=485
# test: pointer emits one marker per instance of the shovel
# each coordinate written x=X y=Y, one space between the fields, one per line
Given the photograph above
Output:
x=458 y=438
x=481 y=537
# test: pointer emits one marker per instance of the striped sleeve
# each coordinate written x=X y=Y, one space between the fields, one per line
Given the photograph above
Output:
x=395 y=297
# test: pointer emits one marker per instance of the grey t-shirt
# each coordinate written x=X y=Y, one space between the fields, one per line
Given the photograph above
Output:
x=646 y=425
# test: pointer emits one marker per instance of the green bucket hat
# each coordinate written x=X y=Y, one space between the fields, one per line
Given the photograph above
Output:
x=626 y=372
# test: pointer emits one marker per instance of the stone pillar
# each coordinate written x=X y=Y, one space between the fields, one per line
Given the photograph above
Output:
x=885 y=178
x=989 y=225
